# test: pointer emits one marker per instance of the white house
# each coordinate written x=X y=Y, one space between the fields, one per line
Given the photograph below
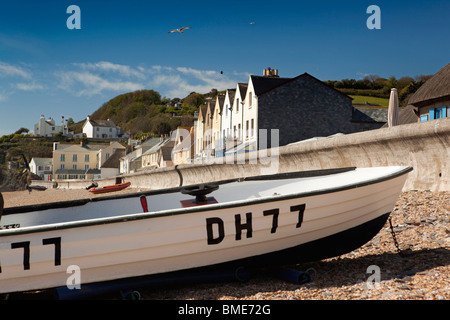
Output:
x=199 y=125
x=237 y=112
x=257 y=85
x=226 y=134
x=42 y=167
x=217 y=123
x=100 y=128
x=47 y=128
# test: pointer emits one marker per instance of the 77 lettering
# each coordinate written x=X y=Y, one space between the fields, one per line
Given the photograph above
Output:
x=25 y=245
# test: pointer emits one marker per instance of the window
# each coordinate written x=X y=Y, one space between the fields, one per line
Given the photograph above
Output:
x=424 y=118
x=249 y=100
x=246 y=129
x=86 y=167
x=62 y=166
x=63 y=157
x=438 y=113
x=86 y=158
x=237 y=105
x=74 y=167
x=441 y=112
x=252 y=127
x=74 y=158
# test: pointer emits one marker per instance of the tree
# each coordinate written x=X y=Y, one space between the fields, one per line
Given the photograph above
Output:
x=22 y=130
x=163 y=128
x=193 y=100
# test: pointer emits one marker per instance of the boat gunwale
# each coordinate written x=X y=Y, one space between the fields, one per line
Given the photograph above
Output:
x=179 y=211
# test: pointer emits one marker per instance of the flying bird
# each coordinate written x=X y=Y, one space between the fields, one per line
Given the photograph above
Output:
x=180 y=30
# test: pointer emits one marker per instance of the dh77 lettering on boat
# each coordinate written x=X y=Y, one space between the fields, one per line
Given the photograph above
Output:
x=216 y=223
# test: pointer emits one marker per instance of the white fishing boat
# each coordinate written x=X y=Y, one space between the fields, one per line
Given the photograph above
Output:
x=257 y=221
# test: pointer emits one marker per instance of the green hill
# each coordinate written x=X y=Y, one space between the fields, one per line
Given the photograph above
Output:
x=145 y=112
x=368 y=100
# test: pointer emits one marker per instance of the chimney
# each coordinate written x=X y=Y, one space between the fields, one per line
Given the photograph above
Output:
x=270 y=73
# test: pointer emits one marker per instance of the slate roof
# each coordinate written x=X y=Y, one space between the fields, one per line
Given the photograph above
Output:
x=114 y=160
x=369 y=114
x=43 y=161
x=103 y=123
x=243 y=89
x=263 y=84
x=220 y=99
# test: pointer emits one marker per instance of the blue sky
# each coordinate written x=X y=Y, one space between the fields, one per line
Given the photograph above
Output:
x=122 y=46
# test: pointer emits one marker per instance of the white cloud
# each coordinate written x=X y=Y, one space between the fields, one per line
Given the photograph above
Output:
x=113 y=67
x=10 y=70
x=180 y=81
x=89 y=79
x=29 y=86
x=89 y=84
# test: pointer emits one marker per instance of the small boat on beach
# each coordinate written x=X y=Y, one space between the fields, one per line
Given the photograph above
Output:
x=110 y=188
x=280 y=219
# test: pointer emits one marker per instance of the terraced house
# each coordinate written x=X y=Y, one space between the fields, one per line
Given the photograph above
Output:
x=296 y=109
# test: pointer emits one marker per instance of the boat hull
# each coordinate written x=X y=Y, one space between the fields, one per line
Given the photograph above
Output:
x=271 y=230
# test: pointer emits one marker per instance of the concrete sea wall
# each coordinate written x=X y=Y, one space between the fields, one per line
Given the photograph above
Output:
x=424 y=146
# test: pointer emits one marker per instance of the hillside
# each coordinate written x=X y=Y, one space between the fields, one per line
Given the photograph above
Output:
x=376 y=87
x=145 y=112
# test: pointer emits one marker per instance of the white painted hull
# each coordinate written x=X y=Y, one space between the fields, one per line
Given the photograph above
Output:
x=170 y=238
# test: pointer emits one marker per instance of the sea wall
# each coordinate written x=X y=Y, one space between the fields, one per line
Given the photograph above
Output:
x=424 y=146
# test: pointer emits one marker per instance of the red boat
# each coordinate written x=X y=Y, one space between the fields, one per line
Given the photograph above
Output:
x=111 y=188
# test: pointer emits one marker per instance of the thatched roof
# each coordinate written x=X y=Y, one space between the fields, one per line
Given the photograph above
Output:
x=434 y=89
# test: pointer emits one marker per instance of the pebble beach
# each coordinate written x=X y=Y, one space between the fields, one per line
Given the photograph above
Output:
x=417 y=269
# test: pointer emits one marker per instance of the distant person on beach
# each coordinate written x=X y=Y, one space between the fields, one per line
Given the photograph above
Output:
x=28 y=188
x=93 y=185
